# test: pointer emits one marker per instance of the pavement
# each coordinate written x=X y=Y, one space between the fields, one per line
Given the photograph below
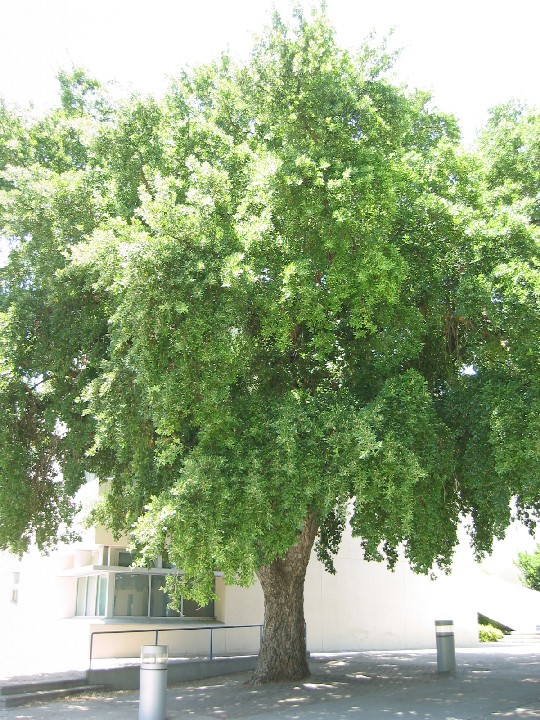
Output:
x=490 y=682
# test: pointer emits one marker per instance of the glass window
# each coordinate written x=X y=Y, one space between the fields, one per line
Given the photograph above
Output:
x=102 y=595
x=191 y=609
x=140 y=595
x=81 y=596
x=165 y=562
x=159 y=598
x=15 y=588
x=125 y=558
x=91 y=592
x=131 y=595
x=91 y=595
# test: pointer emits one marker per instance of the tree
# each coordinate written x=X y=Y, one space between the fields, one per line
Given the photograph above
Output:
x=275 y=302
x=529 y=566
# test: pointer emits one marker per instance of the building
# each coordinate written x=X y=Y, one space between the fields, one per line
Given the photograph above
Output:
x=87 y=599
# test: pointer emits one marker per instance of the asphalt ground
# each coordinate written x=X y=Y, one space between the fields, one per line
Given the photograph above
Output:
x=490 y=682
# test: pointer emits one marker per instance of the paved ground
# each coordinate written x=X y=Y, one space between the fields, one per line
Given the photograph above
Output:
x=491 y=682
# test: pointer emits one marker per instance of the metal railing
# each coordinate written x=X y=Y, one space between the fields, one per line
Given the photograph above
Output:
x=157 y=631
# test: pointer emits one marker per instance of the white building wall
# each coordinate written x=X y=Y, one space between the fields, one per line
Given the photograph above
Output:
x=239 y=606
x=502 y=562
x=363 y=606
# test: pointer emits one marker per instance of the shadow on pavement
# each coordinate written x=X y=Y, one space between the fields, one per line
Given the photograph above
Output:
x=488 y=684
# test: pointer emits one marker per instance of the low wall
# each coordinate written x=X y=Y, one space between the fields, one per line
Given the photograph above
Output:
x=127 y=677
x=125 y=641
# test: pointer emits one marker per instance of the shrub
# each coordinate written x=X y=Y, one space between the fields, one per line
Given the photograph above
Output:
x=529 y=565
x=489 y=633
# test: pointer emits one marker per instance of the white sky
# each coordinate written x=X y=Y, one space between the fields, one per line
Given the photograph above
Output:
x=471 y=54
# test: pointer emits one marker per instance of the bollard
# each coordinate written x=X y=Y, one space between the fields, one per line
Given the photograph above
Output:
x=153 y=686
x=446 y=649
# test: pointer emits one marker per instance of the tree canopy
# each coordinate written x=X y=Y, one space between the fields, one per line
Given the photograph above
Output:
x=282 y=296
x=529 y=567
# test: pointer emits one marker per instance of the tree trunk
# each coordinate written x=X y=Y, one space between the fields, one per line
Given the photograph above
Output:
x=283 y=649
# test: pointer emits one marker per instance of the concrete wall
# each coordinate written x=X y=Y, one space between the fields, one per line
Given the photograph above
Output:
x=239 y=606
x=127 y=678
x=502 y=562
x=43 y=594
x=364 y=606
x=512 y=605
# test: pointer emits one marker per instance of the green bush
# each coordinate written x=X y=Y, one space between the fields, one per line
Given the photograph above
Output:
x=488 y=633
x=529 y=565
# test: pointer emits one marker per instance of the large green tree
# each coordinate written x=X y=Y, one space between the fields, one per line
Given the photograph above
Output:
x=279 y=300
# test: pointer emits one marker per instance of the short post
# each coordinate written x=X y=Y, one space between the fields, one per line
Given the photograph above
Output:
x=446 y=649
x=153 y=685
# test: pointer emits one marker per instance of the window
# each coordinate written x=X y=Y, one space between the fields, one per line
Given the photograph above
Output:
x=142 y=595
x=15 y=588
x=120 y=557
x=136 y=594
x=191 y=609
x=125 y=558
x=101 y=600
x=81 y=596
x=159 y=598
x=131 y=595
x=91 y=596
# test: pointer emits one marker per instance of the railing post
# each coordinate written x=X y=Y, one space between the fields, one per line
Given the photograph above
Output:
x=157 y=633
x=211 y=643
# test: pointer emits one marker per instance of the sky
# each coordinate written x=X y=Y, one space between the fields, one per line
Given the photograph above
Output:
x=471 y=54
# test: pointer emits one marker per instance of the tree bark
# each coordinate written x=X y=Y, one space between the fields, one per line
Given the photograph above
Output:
x=283 y=649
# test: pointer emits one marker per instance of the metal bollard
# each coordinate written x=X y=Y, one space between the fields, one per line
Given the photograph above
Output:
x=446 y=649
x=153 y=686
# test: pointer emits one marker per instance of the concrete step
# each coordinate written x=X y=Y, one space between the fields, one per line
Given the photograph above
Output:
x=19 y=694
x=20 y=687
x=521 y=638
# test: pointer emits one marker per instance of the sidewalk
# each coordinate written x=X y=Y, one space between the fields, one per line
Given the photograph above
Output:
x=491 y=682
